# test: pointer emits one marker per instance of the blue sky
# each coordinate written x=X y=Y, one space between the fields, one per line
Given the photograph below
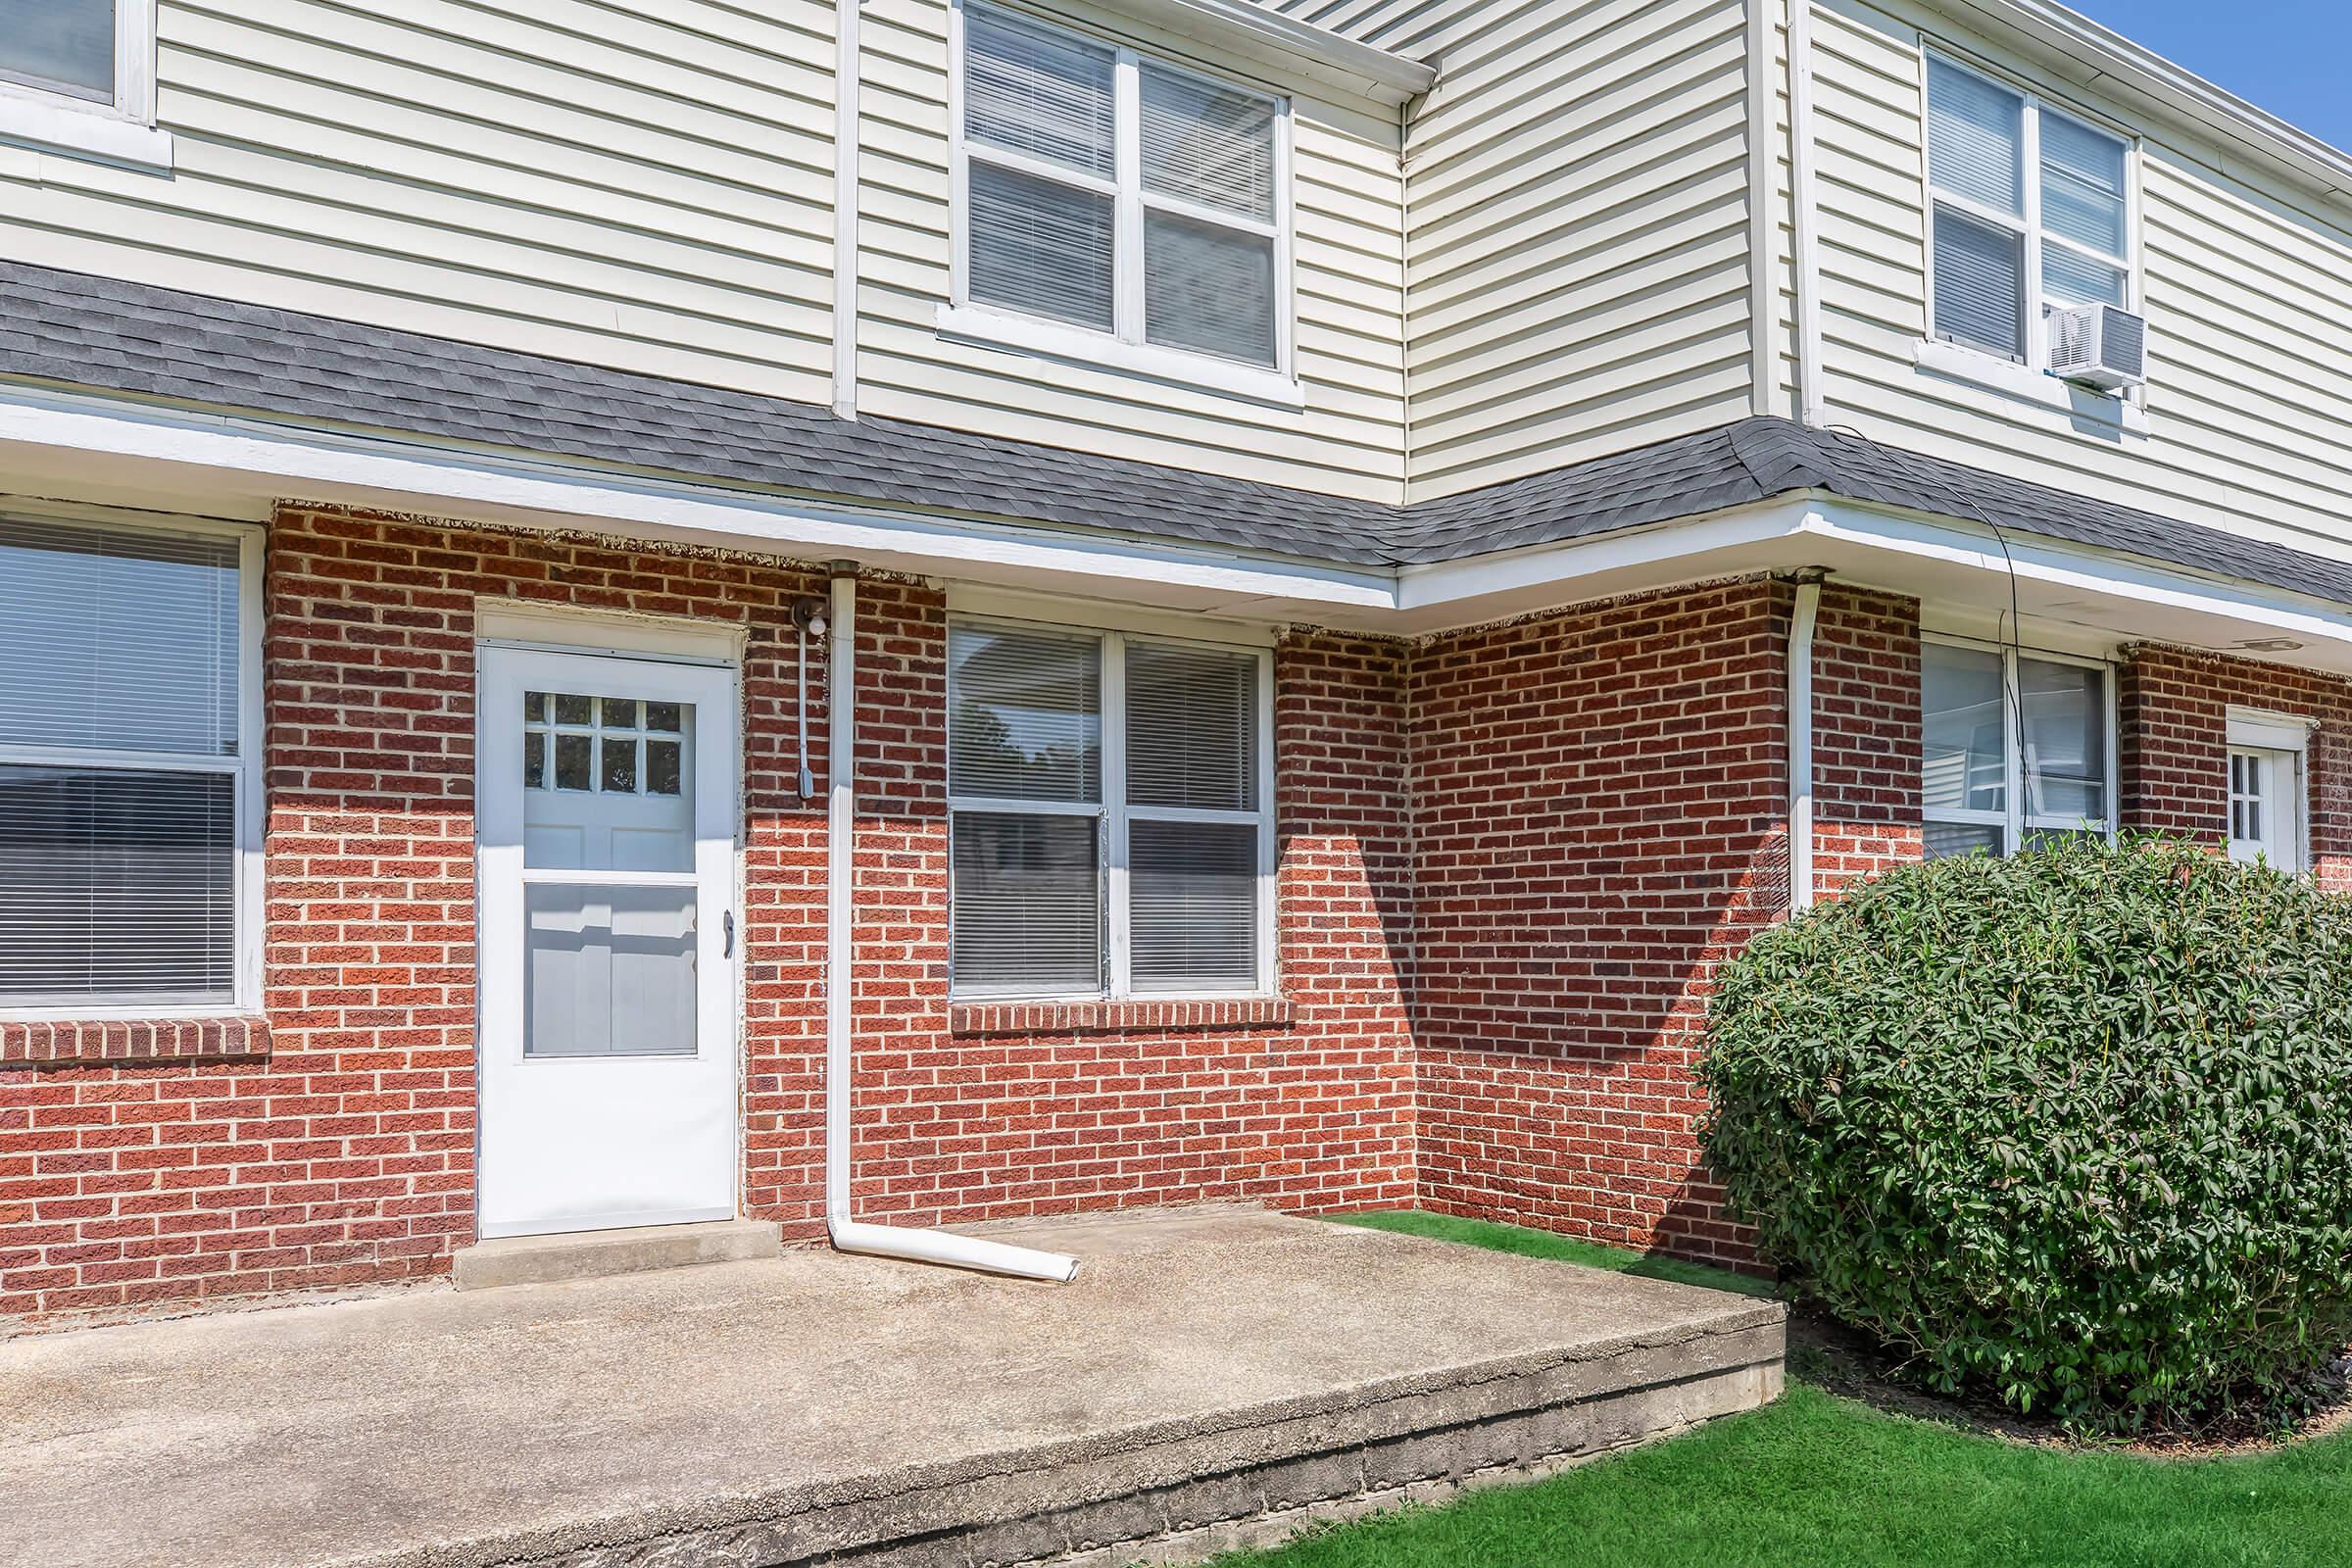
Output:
x=2286 y=55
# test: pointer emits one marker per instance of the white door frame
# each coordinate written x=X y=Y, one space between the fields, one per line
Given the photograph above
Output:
x=506 y=1202
x=2281 y=744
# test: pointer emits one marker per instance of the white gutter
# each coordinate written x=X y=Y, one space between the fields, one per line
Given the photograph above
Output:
x=1800 y=741
x=2103 y=53
x=1805 y=219
x=841 y=824
x=848 y=131
x=1257 y=30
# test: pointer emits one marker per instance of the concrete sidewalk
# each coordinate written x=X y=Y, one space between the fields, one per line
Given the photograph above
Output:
x=1213 y=1376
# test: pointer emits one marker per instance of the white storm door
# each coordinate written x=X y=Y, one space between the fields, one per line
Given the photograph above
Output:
x=2266 y=820
x=606 y=813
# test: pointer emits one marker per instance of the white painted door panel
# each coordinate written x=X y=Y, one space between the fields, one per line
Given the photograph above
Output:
x=606 y=808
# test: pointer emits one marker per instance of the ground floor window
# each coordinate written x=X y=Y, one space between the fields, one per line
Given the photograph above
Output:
x=125 y=764
x=1112 y=827
x=2016 y=748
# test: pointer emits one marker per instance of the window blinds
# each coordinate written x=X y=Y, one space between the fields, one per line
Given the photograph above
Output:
x=1056 y=158
x=117 y=640
x=1191 y=727
x=1027 y=722
x=1980 y=292
x=118 y=882
x=1975 y=139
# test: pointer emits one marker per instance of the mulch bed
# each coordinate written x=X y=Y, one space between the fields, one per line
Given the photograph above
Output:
x=1834 y=1358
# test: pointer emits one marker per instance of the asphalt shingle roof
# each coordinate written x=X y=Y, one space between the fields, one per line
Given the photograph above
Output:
x=76 y=330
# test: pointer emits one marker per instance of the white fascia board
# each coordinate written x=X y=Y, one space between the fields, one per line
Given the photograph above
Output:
x=1441 y=586
x=1253 y=31
x=2109 y=54
x=2110 y=574
x=214 y=459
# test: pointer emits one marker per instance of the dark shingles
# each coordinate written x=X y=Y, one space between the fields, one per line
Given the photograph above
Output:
x=77 y=330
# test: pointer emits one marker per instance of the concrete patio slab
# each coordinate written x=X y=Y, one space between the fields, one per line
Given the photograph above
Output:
x=1212 y=1378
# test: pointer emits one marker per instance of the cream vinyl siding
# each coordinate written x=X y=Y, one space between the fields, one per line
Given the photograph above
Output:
x=2249 y=292
x=642 y=184
x=1578 y=263
x=1348 y=268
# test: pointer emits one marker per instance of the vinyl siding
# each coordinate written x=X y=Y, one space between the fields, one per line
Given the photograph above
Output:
x=1578 y=259
x=2248 y=291
x=637 y=185
x=1348 y=272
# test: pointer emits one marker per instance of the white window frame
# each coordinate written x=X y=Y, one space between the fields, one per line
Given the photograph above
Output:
x=2253 y=730
x=2037 y=358
x=122 y=129
x=2014 y=820
x=245 y=767
x=1123 y=348
x=1114 y=814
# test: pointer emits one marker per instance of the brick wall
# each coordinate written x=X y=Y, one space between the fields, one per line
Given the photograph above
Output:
x=335 y=1146
x=2174 y=714
x=978 y=1112
x=331 y=1141
x=1866 y=738
x=1599 y=819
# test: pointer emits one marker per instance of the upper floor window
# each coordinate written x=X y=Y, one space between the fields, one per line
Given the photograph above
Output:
x=2032 y=214
x=2014 y=748
x=96 y=51
x=127 y=781
x=1112 y=827
x=1119 y=195
x=79 y=75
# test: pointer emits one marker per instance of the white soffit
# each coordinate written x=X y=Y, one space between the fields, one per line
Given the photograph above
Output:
x=1254 y=30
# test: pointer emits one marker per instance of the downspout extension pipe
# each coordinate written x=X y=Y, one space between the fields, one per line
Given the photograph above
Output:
x=1800 y=737
x=849 y=1235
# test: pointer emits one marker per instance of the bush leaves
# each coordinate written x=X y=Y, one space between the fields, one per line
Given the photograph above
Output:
x=2072 y=1127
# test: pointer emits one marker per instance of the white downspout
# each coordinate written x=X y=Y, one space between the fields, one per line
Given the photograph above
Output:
x=841 y=823
x=1801 y=739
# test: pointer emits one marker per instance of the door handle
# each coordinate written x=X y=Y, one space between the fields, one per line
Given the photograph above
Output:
x=727 y=928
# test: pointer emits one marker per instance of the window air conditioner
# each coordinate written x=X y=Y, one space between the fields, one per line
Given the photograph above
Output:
x=2099 y=346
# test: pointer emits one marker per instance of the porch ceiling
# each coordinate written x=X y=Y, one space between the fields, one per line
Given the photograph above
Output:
x=768 y=1411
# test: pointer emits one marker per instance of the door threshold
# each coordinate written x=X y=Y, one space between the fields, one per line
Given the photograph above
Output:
x=595 y=1254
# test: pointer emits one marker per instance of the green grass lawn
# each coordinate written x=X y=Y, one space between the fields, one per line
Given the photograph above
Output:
x=1818 y=1481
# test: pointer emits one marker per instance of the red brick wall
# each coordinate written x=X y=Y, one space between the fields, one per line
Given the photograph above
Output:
x=331 y=1142
x=1599 y=819
x=343 y=1152
x=2176 y=706
x=1866 y=797
x=1005 y=1111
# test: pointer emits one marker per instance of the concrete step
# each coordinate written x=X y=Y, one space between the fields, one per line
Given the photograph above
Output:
x=593 y=1255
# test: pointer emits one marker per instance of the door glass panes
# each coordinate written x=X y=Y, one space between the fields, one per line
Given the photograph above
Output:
x=66 y=46
x=2064 y=741
x=606 y=783
x=601 y=744
x=610 y=970
x=1962 y=766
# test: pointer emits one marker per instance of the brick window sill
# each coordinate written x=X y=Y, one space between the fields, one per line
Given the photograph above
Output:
x=132 y=1042
x=1137 y=1017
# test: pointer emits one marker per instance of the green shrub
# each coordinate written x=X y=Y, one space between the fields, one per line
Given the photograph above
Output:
x=2074 y=1128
